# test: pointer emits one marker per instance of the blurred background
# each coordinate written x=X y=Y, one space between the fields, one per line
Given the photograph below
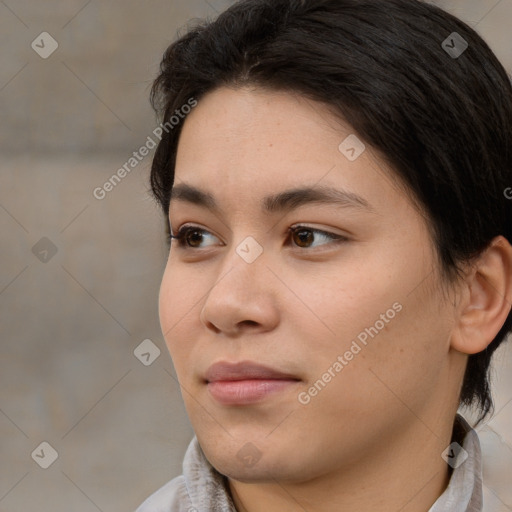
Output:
x=91 y=416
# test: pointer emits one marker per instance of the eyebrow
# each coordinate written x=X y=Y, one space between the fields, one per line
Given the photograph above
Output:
x=278 y=203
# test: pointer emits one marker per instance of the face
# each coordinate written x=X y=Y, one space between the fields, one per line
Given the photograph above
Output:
x=297 y=326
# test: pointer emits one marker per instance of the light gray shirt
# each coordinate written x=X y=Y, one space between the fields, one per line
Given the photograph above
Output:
x=203 y=489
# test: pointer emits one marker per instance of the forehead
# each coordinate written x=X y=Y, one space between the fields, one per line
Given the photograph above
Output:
x=247 y=143
x=248 y=124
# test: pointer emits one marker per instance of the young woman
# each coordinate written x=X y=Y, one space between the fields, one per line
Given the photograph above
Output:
x=336 y=175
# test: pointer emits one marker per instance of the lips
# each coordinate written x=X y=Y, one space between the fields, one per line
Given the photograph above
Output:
x=224 y=371
x=246 y=383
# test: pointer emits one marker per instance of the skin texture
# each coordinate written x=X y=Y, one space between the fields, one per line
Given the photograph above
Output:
x=372 y=438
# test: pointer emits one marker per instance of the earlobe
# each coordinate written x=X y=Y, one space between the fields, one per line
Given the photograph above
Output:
x=488 y=299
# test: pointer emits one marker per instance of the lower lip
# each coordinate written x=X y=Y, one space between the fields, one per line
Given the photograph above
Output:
x=243 y=392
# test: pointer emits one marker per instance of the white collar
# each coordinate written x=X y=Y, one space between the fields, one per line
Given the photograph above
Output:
x=464 y=491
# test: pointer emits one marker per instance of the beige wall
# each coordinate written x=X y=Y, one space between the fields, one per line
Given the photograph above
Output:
x=69 y=326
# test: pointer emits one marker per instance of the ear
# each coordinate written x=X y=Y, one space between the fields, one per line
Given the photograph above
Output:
x=487 y=299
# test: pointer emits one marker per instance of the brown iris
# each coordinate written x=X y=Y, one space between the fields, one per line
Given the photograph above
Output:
x=303 y=237
x=193 y=237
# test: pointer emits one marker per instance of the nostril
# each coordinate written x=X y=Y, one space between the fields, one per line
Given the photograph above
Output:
x=249 y=322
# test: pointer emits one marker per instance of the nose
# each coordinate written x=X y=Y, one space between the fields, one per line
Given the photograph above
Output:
x=242 y=300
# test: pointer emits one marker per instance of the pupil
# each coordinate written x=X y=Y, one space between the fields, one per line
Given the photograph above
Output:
x=195 y=236
x=305 y=237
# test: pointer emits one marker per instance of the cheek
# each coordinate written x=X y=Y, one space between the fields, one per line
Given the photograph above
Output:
x=395 y=344
x=350 y=298
x=383 y=311
x=166 y=304
x=178 y=302
x=386 y=361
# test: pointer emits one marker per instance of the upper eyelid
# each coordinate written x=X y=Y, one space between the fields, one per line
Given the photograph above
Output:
x=183 y=228
x=295 y=226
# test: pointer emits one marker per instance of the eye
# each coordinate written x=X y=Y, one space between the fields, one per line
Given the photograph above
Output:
x=305 y=237
x=191 y=237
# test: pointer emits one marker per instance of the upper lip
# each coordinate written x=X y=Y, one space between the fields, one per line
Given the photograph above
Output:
x=244 y=370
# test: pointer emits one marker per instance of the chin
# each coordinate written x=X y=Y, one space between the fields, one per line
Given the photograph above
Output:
x=261 y=472
x=255 y=462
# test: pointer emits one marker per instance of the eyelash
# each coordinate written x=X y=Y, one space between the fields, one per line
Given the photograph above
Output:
x=180 y=237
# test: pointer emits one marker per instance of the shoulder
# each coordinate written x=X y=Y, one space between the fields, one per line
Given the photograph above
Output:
x=172 y=497
x=200 y=487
